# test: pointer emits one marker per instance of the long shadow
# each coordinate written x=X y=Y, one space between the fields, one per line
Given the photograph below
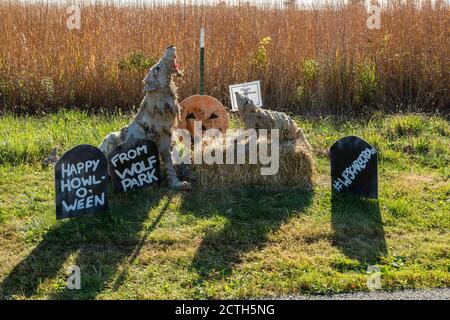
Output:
x=251 y=215
x=100 y=243
x=358 y=227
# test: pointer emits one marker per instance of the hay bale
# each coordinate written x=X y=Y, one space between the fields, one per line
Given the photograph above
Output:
x=296 y=168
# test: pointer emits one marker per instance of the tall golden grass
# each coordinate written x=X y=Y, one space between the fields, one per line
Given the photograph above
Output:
x=322 y=60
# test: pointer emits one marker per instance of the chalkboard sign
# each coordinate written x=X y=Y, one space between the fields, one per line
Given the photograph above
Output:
x=354 y=167
x=134 y=164
x=81 y=182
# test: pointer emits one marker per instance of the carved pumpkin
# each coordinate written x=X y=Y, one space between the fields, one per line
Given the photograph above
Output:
x=206 y=109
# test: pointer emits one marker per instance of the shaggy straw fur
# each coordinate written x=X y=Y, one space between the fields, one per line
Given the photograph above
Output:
x=157 y=115
x=296 y=168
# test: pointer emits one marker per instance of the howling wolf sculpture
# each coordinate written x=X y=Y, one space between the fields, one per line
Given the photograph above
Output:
x=157 y=115
x=258 y=118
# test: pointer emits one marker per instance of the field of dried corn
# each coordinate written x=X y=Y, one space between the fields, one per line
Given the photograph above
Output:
x=315 y=61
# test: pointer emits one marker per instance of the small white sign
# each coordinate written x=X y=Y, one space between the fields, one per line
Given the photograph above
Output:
x=251 y=90
x=202 y=38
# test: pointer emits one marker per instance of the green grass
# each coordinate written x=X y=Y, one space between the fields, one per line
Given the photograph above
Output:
x=234 y=243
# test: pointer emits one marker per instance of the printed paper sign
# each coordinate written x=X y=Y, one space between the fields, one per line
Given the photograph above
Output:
x=251 y=90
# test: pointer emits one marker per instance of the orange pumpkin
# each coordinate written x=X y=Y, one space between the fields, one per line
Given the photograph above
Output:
x=206 y=109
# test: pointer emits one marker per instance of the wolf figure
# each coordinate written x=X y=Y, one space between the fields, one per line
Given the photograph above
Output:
x=258 y=118
x=157 y=116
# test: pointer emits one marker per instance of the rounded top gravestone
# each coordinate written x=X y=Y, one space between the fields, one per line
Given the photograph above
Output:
x=354 y=167
x=81 y=182
x=134 y=165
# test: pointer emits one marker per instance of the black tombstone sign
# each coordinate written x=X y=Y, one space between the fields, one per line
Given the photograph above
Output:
x=134 y=164
x=354 y=167
x=81 y=182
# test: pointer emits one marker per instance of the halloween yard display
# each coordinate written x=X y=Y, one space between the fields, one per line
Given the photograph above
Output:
x=156 y=117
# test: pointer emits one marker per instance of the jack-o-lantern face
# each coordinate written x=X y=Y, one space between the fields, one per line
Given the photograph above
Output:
x=206 y=109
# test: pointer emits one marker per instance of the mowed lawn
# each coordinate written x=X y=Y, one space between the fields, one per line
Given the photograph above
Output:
x=241 y=242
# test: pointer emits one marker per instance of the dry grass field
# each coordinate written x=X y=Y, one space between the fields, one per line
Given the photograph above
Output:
x=310 y=61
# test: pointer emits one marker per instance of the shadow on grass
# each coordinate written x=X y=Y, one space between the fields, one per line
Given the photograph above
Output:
x=358 y=227
x=104 y=245
x=251 y=215
x=100 y=243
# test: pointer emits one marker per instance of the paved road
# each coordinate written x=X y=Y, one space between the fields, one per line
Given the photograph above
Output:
x=433 y=294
